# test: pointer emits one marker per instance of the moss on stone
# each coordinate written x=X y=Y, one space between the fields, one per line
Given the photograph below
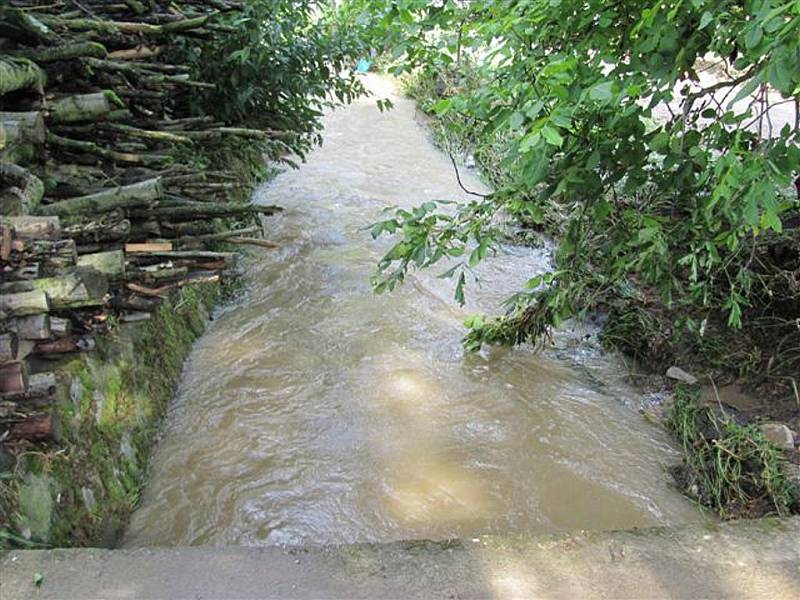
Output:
x=110 y=413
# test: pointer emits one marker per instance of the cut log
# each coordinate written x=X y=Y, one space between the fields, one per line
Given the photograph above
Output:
x=135 y=53
x=21 y=128
x=229 y=258
x=39 y=428
x=66 y=345
x=219 y=132
x=148 y=247
x=54 y=254
x=85 y=287
x=198 y=210
x=166 y=273
x=111 y=263
x=116 y=27
x=135 y=317
x=60 y=327
x=15 y=22
x=8 y=347
x=24 y=349
x=135 y=194
x=42 y=384
x=24 y=303
x=16 y=287
x=84 y=107
x=166 y=289
x=25 y=272
x=34 y=327
x=5 y=244
x=147 y=134
x=107 y=227
x=66 y=52
x=188 y=240
x=18 y=74
x=82 y=146
x=135 y=303
x=24 y=193
x=27 y=227
x=14 y=378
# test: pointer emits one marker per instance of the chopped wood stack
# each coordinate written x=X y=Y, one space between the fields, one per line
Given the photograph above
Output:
x=103 y=210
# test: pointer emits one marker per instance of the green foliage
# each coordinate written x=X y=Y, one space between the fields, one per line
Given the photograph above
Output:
x=668 y=178
x=277 y=64
x=731 y=468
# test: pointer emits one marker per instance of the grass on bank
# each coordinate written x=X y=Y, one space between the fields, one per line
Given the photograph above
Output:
x=728 y=466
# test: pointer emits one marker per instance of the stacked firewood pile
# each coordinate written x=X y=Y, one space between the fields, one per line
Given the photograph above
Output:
x=103 y=209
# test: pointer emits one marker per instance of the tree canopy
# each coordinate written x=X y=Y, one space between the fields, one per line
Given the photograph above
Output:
x=665 y=134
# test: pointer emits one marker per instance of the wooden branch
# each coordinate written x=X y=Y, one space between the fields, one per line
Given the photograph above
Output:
x=92 y=148
x=253 y=242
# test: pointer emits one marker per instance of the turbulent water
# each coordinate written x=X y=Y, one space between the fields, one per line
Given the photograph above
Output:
x=319 y=412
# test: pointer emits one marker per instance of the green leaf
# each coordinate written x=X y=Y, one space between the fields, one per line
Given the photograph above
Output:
x=602 y=92
x=552 y=136
x=442 y=107
x=753 y=37
x=459 y=293
x=660 y=142
x=748 y=88
x=770 y=220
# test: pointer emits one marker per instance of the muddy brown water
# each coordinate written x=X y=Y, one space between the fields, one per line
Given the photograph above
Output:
x=318 y=412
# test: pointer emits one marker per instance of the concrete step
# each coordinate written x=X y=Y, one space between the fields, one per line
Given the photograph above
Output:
x=746 y=559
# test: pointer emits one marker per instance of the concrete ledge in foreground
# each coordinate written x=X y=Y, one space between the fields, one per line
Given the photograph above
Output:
x=746 y=559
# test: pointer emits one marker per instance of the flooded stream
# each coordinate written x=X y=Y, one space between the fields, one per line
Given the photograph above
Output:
x=317 y=412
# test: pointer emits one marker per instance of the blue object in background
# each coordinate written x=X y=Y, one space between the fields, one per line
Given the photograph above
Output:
x=363 y=65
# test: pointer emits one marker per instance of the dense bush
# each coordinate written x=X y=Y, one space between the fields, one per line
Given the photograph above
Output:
x=277 y=64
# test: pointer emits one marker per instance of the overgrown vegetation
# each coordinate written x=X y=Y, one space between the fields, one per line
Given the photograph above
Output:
x=728 y=466
x=658 y=142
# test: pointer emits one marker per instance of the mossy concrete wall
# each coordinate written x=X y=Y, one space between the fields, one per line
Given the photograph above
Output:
x=80 y=490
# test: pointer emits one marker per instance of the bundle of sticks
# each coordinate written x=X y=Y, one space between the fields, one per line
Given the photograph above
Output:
x=103 y=211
